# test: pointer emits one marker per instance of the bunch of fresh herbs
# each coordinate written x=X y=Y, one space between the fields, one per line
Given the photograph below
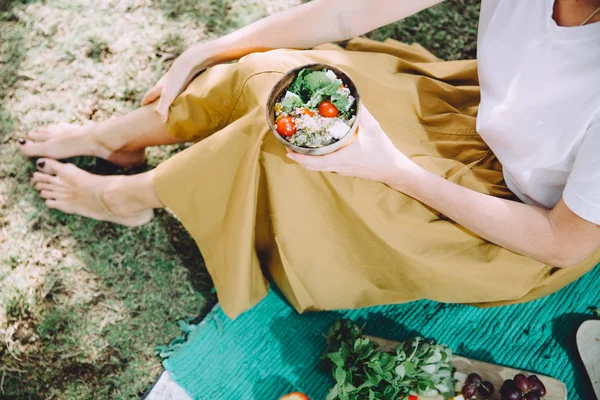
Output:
x=361 y=369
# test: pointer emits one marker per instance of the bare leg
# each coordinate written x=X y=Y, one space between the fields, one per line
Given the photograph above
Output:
x=120 y=140
x=125 y=200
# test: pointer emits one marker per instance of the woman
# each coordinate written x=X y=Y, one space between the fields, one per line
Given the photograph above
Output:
x=421 y=206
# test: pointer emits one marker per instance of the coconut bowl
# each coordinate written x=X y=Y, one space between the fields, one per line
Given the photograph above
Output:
x=278 y=91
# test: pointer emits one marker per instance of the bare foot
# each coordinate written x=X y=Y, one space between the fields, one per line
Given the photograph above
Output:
x=68 y=140
x=75 y=191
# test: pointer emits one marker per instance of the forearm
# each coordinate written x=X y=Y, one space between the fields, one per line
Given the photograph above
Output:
x=522 y=228
x=308 y=25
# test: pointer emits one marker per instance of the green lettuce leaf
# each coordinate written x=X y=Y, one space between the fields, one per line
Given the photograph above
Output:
x=341 y=101
x=291 y=101
x=299 y=86
x=316 y=80
x=324 y=93
x=313 y=87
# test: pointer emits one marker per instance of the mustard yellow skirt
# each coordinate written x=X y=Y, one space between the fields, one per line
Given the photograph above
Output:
x=332 y=242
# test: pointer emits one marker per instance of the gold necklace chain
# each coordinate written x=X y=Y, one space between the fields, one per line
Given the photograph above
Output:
x=590 y=17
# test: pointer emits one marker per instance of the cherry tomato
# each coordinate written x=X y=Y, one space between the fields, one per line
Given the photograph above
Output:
x=305 y=111
x=327 y=109
x=286 y=126
x=295 y=396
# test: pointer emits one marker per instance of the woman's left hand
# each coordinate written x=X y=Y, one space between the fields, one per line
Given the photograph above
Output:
x=372 y=156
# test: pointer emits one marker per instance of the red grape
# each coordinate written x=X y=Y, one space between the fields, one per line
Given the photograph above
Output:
x=474 y=379
x=509 y=391
x=486 y=389
x=535 y=385
x=532 y=396
x=469 y=390
x=521 y=383
x=512 y=394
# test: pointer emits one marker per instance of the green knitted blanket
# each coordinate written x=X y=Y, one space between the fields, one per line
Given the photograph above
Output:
x=271 y=350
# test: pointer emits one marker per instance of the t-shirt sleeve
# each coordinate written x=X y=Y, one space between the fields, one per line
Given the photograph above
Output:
x=582 y=192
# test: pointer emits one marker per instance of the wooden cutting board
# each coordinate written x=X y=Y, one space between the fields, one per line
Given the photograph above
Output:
x=556 y=390
x=588 y=342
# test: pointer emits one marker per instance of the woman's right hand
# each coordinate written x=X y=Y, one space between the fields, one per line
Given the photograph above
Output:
x=181 y=73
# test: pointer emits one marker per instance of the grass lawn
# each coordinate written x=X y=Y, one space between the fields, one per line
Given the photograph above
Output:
x=83 y=304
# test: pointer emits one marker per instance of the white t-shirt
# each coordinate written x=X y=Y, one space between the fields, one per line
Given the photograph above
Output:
x=540 y=103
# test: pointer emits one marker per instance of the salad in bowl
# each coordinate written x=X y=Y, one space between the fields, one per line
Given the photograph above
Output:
x=313 y=109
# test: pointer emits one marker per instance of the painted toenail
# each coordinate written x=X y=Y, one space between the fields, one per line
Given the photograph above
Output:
x=22 y=141
x=41 y=164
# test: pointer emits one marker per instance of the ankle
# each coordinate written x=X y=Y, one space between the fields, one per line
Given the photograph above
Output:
x=104 y=139
x=118 y=197
x=93 y=137
x=127 y=195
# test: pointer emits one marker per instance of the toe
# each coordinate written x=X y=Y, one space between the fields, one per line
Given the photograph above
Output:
x=49 y=186
x=51 y=203
x=41 y=177
x=49 y=194
x=33 y=149
x=38 y=135
x=42 y=186
x=50 y=166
